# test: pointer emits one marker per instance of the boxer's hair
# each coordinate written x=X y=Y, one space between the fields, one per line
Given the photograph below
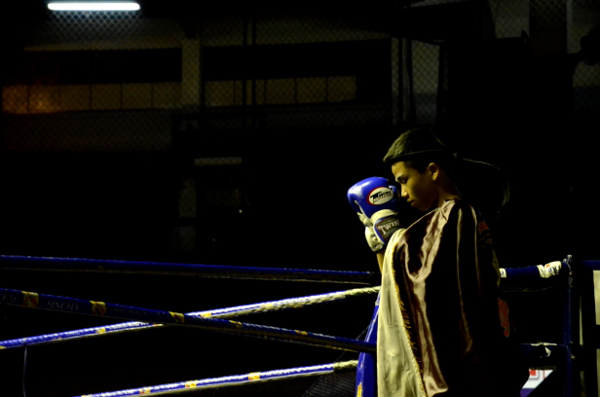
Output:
x=418 y=147
x=482 y=183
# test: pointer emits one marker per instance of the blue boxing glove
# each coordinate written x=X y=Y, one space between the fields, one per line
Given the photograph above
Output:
x=376 y=203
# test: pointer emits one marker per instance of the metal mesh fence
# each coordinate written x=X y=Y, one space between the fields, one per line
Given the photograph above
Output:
x=197 y=108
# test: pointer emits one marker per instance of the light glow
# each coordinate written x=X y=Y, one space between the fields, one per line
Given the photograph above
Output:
x=94 y=6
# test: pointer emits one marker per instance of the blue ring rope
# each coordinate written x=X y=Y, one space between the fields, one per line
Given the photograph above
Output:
x=253 y=377
x=71 y=305
x=74 y=334
x=8 y=262
x=230 y=312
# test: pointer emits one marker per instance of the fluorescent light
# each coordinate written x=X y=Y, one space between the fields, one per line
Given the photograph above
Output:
x=93 y=6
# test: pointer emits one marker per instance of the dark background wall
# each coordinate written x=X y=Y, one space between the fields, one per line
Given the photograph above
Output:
x=229 y=135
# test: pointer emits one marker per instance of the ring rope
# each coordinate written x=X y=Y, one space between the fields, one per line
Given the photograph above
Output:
x=71 y=305
x=545 y=271
x=75 y=334
x=291 y=303
x=252 y=377
x=8 y=262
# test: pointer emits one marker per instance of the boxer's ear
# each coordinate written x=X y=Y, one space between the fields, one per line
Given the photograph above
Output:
x=433 y=170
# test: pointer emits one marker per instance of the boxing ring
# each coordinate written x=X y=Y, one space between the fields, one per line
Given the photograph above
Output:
x=556 y=355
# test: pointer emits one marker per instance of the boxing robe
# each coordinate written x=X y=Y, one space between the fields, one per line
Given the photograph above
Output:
x=442 y=328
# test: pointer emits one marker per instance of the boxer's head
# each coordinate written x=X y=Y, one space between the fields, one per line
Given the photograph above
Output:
x=422 y=166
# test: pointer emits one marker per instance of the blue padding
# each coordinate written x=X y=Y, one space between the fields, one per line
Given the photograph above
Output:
x=366 y=371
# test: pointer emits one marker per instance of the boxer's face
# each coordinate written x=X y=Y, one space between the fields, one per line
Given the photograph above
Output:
x=419 y=189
